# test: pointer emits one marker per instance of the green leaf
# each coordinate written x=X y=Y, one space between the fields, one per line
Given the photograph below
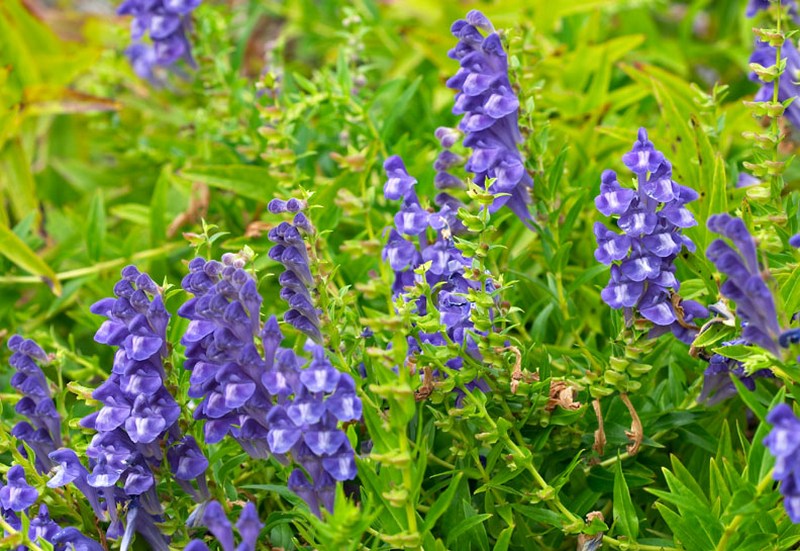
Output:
x=17 y=180
x=158 y=208
x=96 y=226
x=466 y=525
x=685 y=530
x=505 y=538
x=15 y=249
x=626 y=521
x=253 y=182
x=441 y=504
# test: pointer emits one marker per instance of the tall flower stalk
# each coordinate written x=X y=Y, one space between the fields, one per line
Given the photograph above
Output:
x=775 y=64
x=138 y=420
x=652 y=218
x=489 y=110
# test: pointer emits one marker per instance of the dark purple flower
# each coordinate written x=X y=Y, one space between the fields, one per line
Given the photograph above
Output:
x=69 y=469
x=794 y=241
x=490 y=110
x=642 y=257
x=218 y=524
x=188 y=463
x=248 y=525
x=783 y=443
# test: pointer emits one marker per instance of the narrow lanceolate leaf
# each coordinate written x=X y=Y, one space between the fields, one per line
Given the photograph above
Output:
x=15 y=249
x=17 y=179
x=253 y=182
x=96 y=227
x=625 y=520
x=441 y=504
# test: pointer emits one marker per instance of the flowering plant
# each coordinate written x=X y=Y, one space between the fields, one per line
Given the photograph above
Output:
x=327 y=276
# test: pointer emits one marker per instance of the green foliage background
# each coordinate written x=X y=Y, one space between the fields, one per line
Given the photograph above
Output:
x=95 y=165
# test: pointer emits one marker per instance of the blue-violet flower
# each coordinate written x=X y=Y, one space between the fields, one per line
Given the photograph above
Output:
x=490 y=110
x=167 y=24
x=642 y=257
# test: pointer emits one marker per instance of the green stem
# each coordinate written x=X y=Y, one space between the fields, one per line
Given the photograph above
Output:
x=616 y=544
x=97 y=268
x=776 y=130
x=409 y=486
x=25 y=539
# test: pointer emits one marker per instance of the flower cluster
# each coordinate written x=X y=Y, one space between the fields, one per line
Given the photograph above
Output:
x=17 y=496
x=167 y=23
x=755 y=304
x=783 y=443
x=490 y=110
x=744 y=285
x=42 y=431
x=765 y=56
x=270 y=404
x=248 y=526
x=221 y=352
x=445 y=274
x=138 y=418
x=651 y=218
x=311 y=403
x=295 y=281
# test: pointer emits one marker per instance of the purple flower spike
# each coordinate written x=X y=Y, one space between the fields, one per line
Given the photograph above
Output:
x=17 y=495
x=744 y=285
x=297 y=281
x=490 y=110
x=642 y=257
x=137 y=420
x=446 y=272
x=167 y=23
x=43 y=433
x=783 y=443
x=794 y=241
